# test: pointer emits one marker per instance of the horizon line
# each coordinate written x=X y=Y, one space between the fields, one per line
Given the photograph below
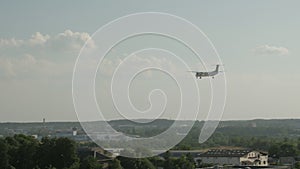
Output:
x=224 y=120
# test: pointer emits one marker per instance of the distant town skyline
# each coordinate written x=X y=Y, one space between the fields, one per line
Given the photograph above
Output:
x=258 y=42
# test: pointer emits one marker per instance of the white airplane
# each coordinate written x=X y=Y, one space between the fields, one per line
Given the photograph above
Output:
x=199 y=75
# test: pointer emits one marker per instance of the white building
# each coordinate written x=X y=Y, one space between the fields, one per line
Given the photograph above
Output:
x=234 y=157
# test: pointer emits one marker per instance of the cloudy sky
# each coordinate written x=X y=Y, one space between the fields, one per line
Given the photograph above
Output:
x=258 y=42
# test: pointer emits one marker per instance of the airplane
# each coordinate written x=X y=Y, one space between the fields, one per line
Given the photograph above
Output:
x=199 y=75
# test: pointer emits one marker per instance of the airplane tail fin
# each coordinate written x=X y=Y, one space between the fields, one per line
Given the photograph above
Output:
x=217 y=68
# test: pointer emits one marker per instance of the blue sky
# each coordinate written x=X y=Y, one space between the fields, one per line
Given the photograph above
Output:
x=257 y=40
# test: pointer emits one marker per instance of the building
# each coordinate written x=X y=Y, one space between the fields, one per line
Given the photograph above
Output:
x=234 y=157
x=98 y=153
x=74 y=129
x=179 y=153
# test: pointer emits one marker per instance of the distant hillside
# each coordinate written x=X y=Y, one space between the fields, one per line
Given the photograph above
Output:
x=258 y=127
x=277 y=123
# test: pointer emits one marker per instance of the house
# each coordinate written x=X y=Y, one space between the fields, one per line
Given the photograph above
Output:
x=234 y=157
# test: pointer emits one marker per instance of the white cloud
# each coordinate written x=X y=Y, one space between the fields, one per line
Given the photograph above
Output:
x=6 y=68
x=137 y=62
x=71 y=40
x=10 y=42
x=38 y=38
x=109 y=65
x=41 y=54
x=26 y=65
x=270 y=50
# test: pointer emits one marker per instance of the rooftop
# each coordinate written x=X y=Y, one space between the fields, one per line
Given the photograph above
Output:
x=225 y=153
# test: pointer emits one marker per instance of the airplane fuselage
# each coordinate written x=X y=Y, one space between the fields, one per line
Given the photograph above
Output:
x=199 y=75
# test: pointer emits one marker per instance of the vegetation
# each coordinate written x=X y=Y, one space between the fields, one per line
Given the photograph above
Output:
x=26 y=152
x=279 y=138
x=186 y=162
x=91 y=163
x=115 y=164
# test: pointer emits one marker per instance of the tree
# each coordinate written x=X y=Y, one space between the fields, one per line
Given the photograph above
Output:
x=297 y=165
x=135 y=163
x=184 y=163
x=46 y=152
x=3 y=154
x=128 y=163
x=145 y=164
x=57 y=152
x=298 y=144
x=89 y=163
x=183 y=147
x=64 y=154
x=287 y=149
x=75 y=165
x=22 y=151
x=274 y=150
x=157 y=161
x=190 y=159
x=168 y=162
x=115 y=164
